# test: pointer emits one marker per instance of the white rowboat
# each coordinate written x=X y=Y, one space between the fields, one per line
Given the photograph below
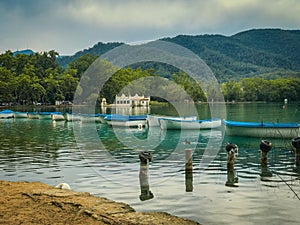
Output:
x=153 y=121
x=57 y=116
x=170 y=124
x=126 y=121
x=20 y=115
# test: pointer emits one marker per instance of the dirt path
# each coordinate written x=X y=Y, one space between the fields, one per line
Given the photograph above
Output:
x=38 y=203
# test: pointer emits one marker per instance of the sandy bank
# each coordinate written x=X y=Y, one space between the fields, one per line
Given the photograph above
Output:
x=38 y=203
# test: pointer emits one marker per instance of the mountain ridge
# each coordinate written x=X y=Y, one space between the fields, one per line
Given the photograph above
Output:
x=255 y=52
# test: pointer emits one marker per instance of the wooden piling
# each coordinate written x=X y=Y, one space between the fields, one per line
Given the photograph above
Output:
x=188 y=170
x=232 y=151
x=145 y=157
x=296 y=145
x=265 y=147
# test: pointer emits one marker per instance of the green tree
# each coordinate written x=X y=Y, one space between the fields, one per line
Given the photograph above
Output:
x=8 y=61
x=68 y=84
x=82 y=64
x=192 y=87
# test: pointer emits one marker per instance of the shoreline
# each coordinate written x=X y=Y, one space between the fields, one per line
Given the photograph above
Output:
x=39 y=203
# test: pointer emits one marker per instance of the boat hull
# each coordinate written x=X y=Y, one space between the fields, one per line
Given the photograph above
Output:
x=154 y=121
x=6 y=114
x=261 y=131
x=45 y=115
x=133 y=123
x=20 y=115
x=126 y=121
x=57 y=117
x=33 y=115
x=170 y=124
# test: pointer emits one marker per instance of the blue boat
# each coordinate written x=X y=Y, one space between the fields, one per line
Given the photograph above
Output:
x=5 y=114
x=262 y=129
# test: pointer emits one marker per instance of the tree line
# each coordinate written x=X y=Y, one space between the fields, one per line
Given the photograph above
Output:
x=37 y=78
x=261 y=89
x=28 y=79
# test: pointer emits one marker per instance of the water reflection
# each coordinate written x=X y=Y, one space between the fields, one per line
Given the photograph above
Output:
x=43 y=151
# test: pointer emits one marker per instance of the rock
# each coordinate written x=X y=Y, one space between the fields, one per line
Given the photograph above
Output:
x=63 y=186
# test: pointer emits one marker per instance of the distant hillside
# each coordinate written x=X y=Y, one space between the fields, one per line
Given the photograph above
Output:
x=279 y=42
x=247 y=54
x=25 y=52
x=98 y=49
x=270 y=53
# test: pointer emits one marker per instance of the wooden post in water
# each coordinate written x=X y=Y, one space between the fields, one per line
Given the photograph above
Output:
x=232 y=151
x=188 y=170
x=145 y=157
x=265 y=147
x=296 y=145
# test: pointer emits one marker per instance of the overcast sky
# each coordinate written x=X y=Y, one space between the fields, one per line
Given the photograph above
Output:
x=68 y=26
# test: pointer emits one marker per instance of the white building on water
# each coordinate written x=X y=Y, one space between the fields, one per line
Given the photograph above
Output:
x=132 y=101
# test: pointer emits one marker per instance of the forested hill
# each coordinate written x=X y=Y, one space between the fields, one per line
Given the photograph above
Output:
x=97 y=50
x=268 y=53
x=261 y=52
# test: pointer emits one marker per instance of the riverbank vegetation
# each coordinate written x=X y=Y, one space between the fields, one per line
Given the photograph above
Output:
x=38 y=79
x=260 y=89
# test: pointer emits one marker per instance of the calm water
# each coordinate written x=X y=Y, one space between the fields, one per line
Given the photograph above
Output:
x=104 y=161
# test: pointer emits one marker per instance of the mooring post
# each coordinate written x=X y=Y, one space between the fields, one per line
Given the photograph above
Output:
x=232 y=152
x=296 y=145
x=265 y=147
x=188 y=170
x=145 y=157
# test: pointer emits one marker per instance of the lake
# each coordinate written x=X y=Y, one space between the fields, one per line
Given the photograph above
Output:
x=104 y=161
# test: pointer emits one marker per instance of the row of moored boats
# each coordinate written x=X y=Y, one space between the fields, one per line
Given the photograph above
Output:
x=236 y=128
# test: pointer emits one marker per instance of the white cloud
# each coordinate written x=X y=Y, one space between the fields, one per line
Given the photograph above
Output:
x=133 y=13
x=73 y=24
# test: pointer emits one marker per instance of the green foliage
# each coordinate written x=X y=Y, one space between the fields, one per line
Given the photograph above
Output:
x=82 y=64
x=97 y=50
x=255 y=65
x=191 y=86
x=246 y=54
x=25 y=79
x=260 y=89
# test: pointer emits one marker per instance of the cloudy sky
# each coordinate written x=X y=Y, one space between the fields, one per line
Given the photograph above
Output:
x=68 y=26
